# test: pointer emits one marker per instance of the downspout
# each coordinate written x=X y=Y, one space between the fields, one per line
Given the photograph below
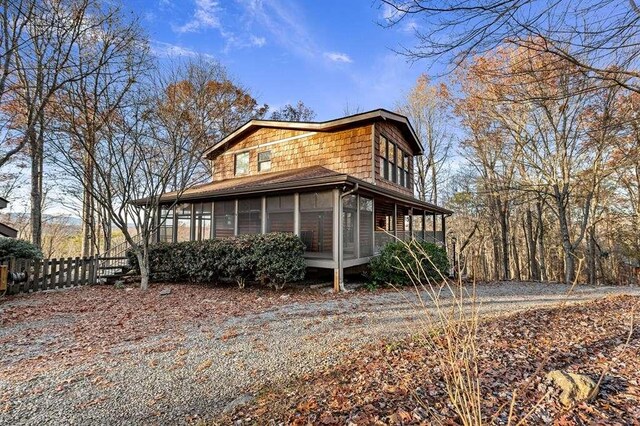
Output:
x=341 y=237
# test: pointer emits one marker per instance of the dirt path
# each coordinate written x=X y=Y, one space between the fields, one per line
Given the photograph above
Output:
x=196 y=368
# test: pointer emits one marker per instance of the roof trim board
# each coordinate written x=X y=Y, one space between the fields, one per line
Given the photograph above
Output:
x=325 y=126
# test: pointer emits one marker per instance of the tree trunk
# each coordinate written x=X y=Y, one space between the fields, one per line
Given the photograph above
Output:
x=504 y=235
x=516 y=259
x=88 y=210
x=534 y=270
x=143 y=263
x=543 y=262
x=37 y=161
x=434 y=179
x=592 y=264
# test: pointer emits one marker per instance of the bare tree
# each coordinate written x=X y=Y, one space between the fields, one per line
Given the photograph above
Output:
x=600 y=38
x=44 y=63
x=14 y=17
x=298 y=112
x=429 y=110
x=198 y=103
x=107 y=62
x=133 y=168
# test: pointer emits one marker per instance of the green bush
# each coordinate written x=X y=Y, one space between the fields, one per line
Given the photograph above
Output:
x=279 y=259
x=388 y=267
x=19 y=249
x=271 y=259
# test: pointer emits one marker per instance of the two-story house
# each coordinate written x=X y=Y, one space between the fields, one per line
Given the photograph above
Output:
x=345 y=186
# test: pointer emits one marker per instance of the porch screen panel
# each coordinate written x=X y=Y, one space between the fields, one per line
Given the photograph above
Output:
x=349 y=212
x=316 y=224
x=385 y=225
x=183 y=222
x=250 y=216
x=166 y=225
x=224 y=218
x=203 y=221
x=401 y=223
x=366 y=227
x=280 y=211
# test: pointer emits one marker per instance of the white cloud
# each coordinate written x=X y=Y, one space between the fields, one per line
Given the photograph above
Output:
x=204 y=17
x=410 y=26
x=258 y=41
x=338 y=57
x=284 y=22
x=389 y=12
x=169 y=50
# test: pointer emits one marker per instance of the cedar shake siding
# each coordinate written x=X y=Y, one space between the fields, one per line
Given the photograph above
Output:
x=347 y=151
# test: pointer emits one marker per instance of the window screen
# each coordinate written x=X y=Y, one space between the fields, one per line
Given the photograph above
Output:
x=203 y=221
x=183 y=222
x=166 y=224
x=280 y=211
x=250 y=216
x=366 y=227
x=224 y=218
x=316 y=223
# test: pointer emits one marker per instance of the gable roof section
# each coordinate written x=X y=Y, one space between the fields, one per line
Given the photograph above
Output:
x=324 y=126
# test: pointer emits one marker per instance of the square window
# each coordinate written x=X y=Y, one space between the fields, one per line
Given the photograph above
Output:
x=264 y=161
x=242 y=163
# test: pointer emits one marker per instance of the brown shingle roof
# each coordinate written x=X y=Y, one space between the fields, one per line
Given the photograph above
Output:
x=260 y=183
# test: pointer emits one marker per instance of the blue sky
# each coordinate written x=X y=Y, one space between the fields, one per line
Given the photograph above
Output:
x=328 y=54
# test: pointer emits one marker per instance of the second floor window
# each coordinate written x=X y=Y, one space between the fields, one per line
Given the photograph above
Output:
x=264 y=161
x=407 y=171
x=242 y=163
x=395 y=164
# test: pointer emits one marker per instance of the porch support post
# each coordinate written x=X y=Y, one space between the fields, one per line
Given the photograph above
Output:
x=395 y=220
x=373 y=226
x=296 y=213
x=410 y=223
x=263 y=216
x=174 y=237
x=338 y=272
x=212 y=231
x=424 y=225
x=192 y=230
x=235 y=219
x=434 y=228
x=357 y=225
x=444 y=230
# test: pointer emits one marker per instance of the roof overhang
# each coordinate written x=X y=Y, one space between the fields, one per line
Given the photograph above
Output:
x=309 y=184
x=7 y=231
x=324 y=126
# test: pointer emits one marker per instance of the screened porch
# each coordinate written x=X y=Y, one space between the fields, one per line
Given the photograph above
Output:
x=360 y=223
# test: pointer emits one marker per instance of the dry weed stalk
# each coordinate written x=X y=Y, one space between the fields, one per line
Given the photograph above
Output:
x=449 y=330
x=450 y=322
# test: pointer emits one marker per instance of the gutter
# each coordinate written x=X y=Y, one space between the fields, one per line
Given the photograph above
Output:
x=340 y=259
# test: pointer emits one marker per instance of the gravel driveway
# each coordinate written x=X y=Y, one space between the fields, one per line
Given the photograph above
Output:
x=204 y=370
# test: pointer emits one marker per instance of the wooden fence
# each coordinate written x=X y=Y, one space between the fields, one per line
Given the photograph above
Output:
x=47 y=274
